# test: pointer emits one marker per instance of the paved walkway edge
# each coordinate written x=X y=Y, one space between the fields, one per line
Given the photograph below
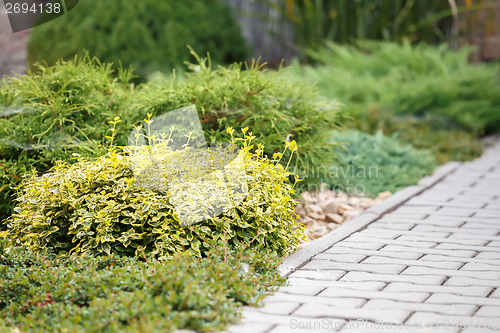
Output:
x=298 y=259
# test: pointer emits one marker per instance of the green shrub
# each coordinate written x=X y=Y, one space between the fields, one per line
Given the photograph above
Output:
x=149 y=35
x=430 y=133
x=51 y=114
x=238 y=96
x=371 y=164
x=404 y=79
x=40 y=292
x=95 y=207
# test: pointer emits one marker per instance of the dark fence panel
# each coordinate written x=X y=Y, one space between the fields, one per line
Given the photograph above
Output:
x=270 y=37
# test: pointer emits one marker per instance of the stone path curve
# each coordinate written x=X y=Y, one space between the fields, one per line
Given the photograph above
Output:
x=430 y=265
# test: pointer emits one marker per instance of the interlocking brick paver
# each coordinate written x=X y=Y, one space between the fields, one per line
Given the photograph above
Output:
x=399 y=296
x=331 y=275
x=363 y=267
x=489 y=311
x=438 y=298
x=349 y=298
x=340 y=250
x=250 y=328
x=456 y=310
x=316 y=325
x=341 y=258
x=418 y=263
x=364 y=239
x=450 y=246
x=430 y=265
x=488 y=255
x=415 y=270
x=368 y=285
x=446 y=252
x=480 y=291
x=480 y=280
x=420 y=279
x=273 y=306
x=432 y=238
x=386 y=316
x=439 y=258
x=478 y=231
x=480 y=267
x=428 y=319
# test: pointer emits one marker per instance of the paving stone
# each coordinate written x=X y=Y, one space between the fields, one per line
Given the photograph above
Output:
x=250 y=328
x=478 y=231
x=348 y=299
x=381 y=233
x=371 y=268
x=455 y=211
x=433 y=238
x=436 y=251
x=481 y=237
x=488 y=255
x=480 y=267
x=446 y=222
x=303 y=290
x=439 y=298
x=456 y=310
x=494 y=244
x=274 y=306
x=368 y=285
x=433 y=319
x=483 y=225
x=487 y=214
x=319 y=310
x=344 y=258
x=478 y=330
x=369 y=327
x=357 y=245
x=413 y=263
x=468 y=281
x=330 y=275
x=431 y=257
x=383 y=252
x=466 y=247
x=258 y=317
x=489 y=311
x=367 y=240
x=316 y=325
x=397 y=296
x=415 y=216
x=479 y=291
x=389 y=226
x=414 y=270
x=420 y=279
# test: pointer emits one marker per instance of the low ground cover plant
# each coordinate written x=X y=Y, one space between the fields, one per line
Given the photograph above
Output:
x=435 y=86
x=42 y=292
x=371 y=164
x=149 y=35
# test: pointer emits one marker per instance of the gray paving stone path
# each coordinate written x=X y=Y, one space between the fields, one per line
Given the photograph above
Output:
x=430 y=265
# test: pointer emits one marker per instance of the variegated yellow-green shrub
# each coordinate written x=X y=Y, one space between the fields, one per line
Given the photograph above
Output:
x=95 y=207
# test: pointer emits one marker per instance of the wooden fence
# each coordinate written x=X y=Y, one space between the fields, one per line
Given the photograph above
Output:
x=270 y=37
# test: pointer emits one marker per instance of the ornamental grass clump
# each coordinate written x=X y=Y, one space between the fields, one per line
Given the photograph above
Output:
x=96 y=207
